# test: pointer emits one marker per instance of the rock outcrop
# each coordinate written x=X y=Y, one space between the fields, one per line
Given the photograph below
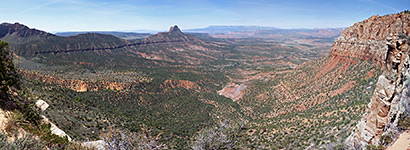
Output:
x=384 y=41
x=3 y=120
x=41 y=104
x=233 y=91
x=98 y=145
x=180 y=84
x=76 y=85
x=174 y=35
x=175 y=46
x=175 y=29
x=366 y=40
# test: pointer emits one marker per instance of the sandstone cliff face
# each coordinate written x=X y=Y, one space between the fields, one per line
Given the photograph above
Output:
x=366 y=40
x=383 y=41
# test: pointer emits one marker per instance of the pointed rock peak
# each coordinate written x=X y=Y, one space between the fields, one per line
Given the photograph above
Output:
x=174 y=29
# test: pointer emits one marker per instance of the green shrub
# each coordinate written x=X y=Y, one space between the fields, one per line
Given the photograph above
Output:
x=8 y=74
x=374 y=147
x=339 y=146
x=120 y=139
x=404 y=121
x=27 y=142
x=227 y=135
x=386 y=139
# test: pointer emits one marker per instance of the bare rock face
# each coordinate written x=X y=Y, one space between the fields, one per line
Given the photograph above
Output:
x=233 y=91
x=98 y=145
x=390 y=98
x=174 y=35
x=382 y=40
x=366 y=40
x=174 y=29
x=55 y=130
x=42 y=105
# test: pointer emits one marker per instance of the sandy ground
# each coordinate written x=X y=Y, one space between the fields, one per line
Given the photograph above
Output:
x=402 y=143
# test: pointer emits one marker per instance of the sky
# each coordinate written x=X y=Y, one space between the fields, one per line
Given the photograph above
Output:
x=129 y=15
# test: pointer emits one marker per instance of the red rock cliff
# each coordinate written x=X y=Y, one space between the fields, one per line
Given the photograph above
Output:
x=367 y=40
x=384 y=41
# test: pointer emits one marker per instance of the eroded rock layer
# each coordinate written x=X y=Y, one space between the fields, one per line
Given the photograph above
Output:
x=366 y=40
x=384 y=41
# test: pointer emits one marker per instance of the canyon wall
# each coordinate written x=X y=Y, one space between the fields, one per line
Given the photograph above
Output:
x=384 y=41
x=367 y=40
x=390 y=99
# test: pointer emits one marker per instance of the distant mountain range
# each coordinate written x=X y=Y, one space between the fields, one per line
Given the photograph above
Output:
x=213 y=29
x=119 y=34
x=173 y=46
x=288 y=99
x=29 y=42
x=225 y=29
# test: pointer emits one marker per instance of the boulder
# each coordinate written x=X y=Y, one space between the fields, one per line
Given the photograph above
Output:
x=42 y=105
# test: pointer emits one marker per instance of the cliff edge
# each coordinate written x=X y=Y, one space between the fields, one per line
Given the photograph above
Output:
x=384 y=41
x=366 y=40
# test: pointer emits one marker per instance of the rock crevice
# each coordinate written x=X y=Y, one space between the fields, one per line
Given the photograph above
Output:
x=366 y=40
x=388 y=99
x=384 y=41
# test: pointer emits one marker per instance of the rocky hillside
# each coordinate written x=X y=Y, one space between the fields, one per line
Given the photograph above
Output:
x=324 y=99
x=93 y=48
x=366 y=40
x=29 y=42
x=76 y=85
x=383 y=40
x=314 y=105
x=175 y=46
x=20 y=113
x=173 y=35
x=20 y=30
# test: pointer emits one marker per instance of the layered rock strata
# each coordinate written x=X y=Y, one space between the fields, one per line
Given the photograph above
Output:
x=384 y=41
x=366 y=40
x=390 y=98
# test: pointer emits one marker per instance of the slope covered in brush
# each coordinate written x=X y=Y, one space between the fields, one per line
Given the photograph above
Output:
x=29 y=42
x=319 y=103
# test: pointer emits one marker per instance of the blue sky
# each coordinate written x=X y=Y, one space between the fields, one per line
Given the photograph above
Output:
x=121 y=15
